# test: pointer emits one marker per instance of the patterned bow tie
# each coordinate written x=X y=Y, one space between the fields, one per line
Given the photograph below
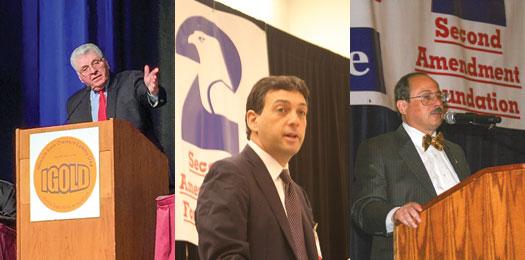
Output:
x=437 y=141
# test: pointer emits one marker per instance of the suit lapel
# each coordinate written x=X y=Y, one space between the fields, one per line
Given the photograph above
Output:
x=84 y=108
x=112 y=97
x=309 y=238
x=411 y=158
x=265 y=183
x=452 y=154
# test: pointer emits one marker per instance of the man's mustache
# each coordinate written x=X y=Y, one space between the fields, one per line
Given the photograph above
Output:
x=437 y=110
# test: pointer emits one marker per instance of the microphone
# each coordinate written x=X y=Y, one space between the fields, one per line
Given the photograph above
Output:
x=470 y=118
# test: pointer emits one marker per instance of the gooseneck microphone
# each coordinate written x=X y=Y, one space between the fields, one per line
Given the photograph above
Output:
x=470 y=118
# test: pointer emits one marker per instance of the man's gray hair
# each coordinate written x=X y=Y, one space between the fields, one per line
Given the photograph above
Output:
x=82 y=50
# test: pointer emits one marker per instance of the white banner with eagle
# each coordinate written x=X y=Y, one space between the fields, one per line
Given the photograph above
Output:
x=218 y=58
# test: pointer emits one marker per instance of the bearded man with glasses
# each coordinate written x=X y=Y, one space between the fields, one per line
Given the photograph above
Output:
x=399 y=171
x=128 y=95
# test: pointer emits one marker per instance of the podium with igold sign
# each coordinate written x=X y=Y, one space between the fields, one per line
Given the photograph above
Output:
x=87 y=191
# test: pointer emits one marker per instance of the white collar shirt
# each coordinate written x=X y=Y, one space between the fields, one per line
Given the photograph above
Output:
x=273 y=167
x=436 y=162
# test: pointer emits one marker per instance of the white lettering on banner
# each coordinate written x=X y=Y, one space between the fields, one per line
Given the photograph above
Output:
x=358 y=57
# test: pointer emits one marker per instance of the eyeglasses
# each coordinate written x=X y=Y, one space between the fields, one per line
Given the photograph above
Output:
x=427 y=99
x=95 y=65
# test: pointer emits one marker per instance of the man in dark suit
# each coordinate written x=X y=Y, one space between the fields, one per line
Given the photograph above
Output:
x=248 y=207
x=128 y=95
x=398 y=171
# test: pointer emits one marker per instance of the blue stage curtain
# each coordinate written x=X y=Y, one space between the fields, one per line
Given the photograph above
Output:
x=52 y=30
x=37 y=40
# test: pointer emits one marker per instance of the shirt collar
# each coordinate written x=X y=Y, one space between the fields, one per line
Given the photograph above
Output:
x=415 y=135
x=273 y=167
x=105 y=89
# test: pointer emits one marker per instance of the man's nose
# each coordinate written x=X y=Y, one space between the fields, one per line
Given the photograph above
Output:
x=92 y=70
x=293 y=118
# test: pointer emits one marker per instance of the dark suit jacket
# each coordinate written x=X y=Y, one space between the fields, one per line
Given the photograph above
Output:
x=127 y=99
x=239 y=214
x=389 y=173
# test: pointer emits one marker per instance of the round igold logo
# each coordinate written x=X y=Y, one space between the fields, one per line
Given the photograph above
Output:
x=65 y=174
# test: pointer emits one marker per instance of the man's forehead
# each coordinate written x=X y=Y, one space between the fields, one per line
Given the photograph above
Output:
x=283 y=94
x=87 y=57
x=420 y=84
x=287 y=102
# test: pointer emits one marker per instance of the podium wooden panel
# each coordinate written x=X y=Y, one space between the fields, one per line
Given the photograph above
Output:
x=483 y=217
x=133 y=172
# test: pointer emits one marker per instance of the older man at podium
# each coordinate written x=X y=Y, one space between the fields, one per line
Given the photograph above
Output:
x=128 y=95
x=398 y=171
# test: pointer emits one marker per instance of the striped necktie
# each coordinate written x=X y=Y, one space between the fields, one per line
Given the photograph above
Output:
x=294 y=214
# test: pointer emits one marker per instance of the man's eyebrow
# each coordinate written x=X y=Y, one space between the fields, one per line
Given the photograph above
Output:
x=288 y=102
x=425 y=92
x=281 y=101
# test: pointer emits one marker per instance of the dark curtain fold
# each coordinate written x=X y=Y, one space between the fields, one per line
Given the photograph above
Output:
x=321 y=167
x=483 y=148
x=10 y=84
x=165 y=119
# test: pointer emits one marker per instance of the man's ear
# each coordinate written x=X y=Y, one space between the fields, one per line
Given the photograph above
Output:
x=402 y=106
x=80 y=78
x=252 y=121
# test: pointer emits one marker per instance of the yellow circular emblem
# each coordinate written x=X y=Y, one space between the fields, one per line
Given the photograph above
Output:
x=65 y=174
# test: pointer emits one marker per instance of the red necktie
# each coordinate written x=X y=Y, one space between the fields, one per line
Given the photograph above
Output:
x=101 y=106
x=295 y=218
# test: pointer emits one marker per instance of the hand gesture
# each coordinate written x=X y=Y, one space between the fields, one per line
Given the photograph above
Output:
x=408 y=214
x=151 y=80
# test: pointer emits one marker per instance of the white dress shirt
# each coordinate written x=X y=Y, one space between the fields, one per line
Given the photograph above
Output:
x=273 y=167
x=437 y=164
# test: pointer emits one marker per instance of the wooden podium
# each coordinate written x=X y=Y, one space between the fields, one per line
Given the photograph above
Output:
x=133 y=172
x=483 y=217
